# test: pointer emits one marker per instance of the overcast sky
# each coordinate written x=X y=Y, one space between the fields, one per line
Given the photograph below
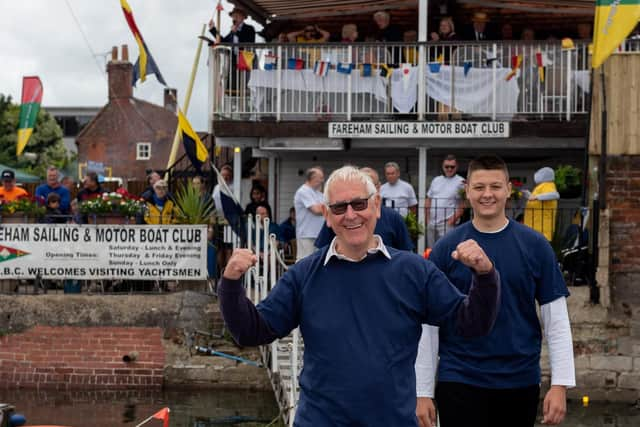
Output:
x=42 y=38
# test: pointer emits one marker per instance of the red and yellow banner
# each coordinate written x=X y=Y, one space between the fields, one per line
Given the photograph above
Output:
x=614 y=20
x=516 y=61
x=31 y=100
x=128 y=15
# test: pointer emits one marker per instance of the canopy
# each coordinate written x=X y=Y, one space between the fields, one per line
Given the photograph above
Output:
x=20 y=175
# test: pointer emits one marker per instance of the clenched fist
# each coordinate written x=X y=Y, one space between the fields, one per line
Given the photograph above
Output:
x=241 y=260
x=471 y=254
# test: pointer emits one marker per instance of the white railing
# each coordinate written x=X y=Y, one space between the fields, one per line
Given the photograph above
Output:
x=262 y=278
x=284 y=81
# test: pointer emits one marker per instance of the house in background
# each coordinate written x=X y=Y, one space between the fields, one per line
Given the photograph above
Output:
x=129 y=135
x=72 y=120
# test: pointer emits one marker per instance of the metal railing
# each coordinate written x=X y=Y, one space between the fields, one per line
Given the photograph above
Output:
x=340 y=81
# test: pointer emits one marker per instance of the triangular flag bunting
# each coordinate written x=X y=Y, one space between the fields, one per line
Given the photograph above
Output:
x=540 y=65
x=466 y=67
x=344 y=68
x=365 y=70
x=516 y=61
x=245 y=60
x=321 y=68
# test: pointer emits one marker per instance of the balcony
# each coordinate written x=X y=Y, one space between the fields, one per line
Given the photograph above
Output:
x=425 y=81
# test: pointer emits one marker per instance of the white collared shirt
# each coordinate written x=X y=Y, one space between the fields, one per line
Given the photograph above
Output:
x=380 y=247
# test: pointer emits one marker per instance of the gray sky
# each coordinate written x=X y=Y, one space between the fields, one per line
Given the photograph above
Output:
x=42 y=38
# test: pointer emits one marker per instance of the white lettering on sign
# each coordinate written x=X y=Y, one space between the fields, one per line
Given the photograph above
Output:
x=419 y=130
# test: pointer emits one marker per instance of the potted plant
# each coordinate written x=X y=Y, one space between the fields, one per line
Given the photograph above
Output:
x=415 y=228
x=112 y=208
x=21 y=210
x=193 y=206
x=568 y=181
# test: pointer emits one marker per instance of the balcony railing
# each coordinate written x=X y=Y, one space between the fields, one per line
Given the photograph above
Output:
x=433 y=81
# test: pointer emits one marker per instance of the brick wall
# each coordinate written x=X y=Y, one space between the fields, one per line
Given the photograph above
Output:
x=66 y=358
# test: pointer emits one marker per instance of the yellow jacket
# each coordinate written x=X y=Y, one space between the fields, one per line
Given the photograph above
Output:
x=154 y=216
x=541 y=214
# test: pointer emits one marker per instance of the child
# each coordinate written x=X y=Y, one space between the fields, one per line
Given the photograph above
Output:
x=53 y=214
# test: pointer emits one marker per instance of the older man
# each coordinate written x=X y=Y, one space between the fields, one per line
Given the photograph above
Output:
x=53 y=186
x=9 y=190
x=308 y=203
x=359 y=306
x=443 y=206
x=396 y=193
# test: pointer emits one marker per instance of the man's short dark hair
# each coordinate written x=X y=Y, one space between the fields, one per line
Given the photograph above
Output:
x=450 y=157
x=53 y=197
x=487 y=163
x=93 y=177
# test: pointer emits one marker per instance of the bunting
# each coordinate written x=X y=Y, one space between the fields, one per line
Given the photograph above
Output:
x=344 y=68
x=194 y=148
x=516 y=61
x=385 y=70
x=270 y=62
x=31 y=99
x=614 y=20
x=466 y=66
x=321 y=68
x=540 y=64
x=245 y=60
x=295 y=64
x=365 y=70
x=145 y=64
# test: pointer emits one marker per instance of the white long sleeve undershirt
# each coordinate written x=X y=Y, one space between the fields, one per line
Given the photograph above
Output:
x=556 y=329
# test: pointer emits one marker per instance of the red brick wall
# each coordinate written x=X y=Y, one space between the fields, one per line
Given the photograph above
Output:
x=66 y=358
x=623 y=198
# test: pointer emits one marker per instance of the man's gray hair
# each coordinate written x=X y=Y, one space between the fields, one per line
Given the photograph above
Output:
x=349 y=174
x=382 y=14
x=392 y=165
x=311 y=172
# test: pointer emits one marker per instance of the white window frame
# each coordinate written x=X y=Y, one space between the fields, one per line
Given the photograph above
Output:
x=140 y=148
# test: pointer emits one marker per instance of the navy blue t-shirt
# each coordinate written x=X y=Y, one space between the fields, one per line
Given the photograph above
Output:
x=361 y=323
x=509 y=357
x=390 y=227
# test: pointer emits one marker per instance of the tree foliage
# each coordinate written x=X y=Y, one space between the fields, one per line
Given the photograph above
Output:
x=46 y=141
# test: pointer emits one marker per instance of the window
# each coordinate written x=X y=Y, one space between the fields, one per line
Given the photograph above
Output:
x=143 y=151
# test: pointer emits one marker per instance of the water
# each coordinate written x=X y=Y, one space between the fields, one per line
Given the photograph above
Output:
x=209 y=408
x=189 y=408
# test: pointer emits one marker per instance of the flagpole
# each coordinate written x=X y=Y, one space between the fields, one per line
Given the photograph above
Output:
x=145 y=421
x=187 y=100
x=218 y=10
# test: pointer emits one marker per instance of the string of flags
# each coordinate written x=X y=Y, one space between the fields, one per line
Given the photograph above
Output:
x=540 y=64
x=516 y=61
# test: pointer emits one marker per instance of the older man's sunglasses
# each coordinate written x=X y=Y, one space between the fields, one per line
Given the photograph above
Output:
x=356 y=204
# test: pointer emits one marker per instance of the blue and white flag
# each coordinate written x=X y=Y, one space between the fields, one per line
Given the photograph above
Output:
x=344 y=68
x=270 y=62
x=231 y=208
x=321 y=68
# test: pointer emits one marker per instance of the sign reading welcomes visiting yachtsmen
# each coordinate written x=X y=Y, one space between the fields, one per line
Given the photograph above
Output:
x=135 y=252
x=419 y=130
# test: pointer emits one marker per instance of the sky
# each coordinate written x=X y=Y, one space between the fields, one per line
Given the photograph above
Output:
x=42 y=38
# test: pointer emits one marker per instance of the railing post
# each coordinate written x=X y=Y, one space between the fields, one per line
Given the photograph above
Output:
x=279 y=61
x=247 y=276
x=295 y=344
x=422 y=191
x=421 y=81
x=256 y=286
x=265 y=261
x=494 y=88
x=275 y=365
x=349 y=82
x=568 y=115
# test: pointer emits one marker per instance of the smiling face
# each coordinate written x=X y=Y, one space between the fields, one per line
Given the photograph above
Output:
x=353 y=228
x=445 y=27
x=487 y=192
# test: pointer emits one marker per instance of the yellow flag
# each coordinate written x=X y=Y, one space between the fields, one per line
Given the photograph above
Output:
x=614 y=20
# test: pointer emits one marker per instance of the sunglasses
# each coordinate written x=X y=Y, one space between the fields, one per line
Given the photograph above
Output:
x=356 y=204
x=449 y=167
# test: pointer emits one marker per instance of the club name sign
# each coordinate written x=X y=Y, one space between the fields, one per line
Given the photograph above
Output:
x=419 y=129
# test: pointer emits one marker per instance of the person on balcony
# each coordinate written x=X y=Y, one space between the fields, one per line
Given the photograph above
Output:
x=388 y=33
x=53 y=186
x=443 y=207
x=349 y=33
x=446 y=31
x=542 y=203
x=9 y=190
x=241 y=32
x=258 y=196
x=396 y=193
x=480 y=30
x=360 y=306
x=309 y=34
x=160 y=209
x=495 y=380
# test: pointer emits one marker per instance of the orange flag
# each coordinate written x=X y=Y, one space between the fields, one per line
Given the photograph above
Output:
x=516 y=61
x=162 y=414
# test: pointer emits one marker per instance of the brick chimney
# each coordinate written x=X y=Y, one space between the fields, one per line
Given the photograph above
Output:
x=171 y=99
x=120 y=73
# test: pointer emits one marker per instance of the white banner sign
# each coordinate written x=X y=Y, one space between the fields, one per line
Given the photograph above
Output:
x=419 y=130
x=89 y=252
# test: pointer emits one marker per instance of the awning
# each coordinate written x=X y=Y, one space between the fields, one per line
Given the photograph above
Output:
x=21 y=177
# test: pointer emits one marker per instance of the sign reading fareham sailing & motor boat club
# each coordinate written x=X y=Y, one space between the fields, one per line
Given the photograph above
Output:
x=419 y=129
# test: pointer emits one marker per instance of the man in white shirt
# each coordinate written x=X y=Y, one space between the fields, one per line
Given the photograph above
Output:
x=308 y=202
x=396 y=193
x=443 y=205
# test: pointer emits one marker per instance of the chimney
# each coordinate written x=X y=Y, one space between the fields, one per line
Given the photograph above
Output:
x=171 y=99
x=120 y=73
